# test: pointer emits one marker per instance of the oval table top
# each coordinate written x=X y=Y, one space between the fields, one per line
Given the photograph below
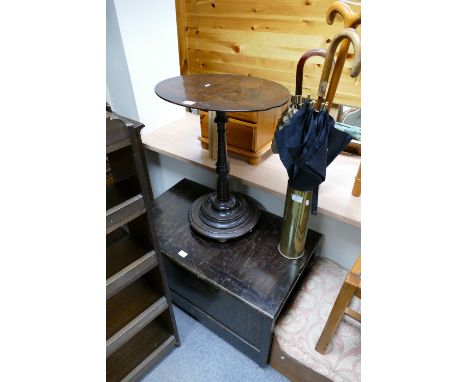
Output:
x=223 y=92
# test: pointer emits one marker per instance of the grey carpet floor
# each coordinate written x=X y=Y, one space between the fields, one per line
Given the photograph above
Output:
x=205 y=357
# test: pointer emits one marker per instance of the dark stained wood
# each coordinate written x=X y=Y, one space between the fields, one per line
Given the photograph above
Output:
x=124 y=212
x=250 y=268
x=121 y=251
x=117 y=131
x=224 y=215
x=145 y=185
x=120 y=165
x=223 y=92
x=140 y=325
x=130 y=273
x=128 y=304
x=231 y=318
x=134 y=326
x=237 y=288
x=117 y=193
x=154 y=340
x=116 y=135
x=149 y=361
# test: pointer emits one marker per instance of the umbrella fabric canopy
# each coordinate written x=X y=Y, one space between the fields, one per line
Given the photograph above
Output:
x=307 y=144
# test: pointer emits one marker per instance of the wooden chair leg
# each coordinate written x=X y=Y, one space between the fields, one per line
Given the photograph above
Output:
x=357 y=183
x=341 y=303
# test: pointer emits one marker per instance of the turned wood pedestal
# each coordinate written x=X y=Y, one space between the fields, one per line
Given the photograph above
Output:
x=223 y=215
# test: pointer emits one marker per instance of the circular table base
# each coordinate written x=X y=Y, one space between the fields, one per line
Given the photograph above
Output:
x=223 y=220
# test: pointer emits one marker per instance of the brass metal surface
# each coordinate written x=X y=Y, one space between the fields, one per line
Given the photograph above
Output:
x=295 y=222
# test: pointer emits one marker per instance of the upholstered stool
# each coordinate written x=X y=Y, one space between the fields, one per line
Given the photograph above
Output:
x=299 y=329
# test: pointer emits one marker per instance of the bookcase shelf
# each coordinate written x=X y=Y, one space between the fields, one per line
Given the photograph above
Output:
x=140 y=325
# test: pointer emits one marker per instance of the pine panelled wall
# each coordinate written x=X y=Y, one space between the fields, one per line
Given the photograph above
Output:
x=261 y=38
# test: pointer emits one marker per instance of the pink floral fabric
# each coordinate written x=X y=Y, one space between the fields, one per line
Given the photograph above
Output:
x=299 y=328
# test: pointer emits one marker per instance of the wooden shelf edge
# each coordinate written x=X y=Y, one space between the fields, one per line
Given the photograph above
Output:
x=149 y=361
x=124 y=212
x=133 y=327
x=117 y=145
x=130 y=273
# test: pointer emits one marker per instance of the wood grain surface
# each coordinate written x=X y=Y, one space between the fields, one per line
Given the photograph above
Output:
x=249 y=268
x=261 y=38
x=223 y=92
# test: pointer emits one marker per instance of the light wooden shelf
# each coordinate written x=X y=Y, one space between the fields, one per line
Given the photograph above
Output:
x=178 y=140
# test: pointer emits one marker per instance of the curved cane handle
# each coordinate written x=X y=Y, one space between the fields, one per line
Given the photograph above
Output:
x=300 y=66
x=351 y=19
x=352 y=35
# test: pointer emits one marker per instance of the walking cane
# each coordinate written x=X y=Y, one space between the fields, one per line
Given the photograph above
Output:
x=350 y=20
x=349 y=35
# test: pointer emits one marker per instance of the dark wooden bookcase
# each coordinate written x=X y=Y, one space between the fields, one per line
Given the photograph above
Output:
x=140 y=325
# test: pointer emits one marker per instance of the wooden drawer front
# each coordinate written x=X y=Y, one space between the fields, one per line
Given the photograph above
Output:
x=238 y=317
x=246 y=116
x=239 y=133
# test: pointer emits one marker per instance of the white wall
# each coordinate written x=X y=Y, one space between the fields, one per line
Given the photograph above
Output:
x=119 y=91
x=149 y=34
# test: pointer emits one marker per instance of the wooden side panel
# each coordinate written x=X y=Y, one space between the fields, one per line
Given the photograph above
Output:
x=181 y=36
x=261 y=38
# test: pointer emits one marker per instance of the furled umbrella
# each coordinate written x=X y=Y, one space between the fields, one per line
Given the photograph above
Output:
x=308 y=142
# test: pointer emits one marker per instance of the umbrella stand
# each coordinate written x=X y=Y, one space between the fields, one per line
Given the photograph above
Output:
x=295 y=223
x=300 y=202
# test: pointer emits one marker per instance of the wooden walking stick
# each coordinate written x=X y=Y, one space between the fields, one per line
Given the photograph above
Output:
x=348 y=35
x=350 y=20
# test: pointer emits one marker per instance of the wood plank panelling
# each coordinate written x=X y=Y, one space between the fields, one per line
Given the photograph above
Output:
x=261 y=38
x=181 y=36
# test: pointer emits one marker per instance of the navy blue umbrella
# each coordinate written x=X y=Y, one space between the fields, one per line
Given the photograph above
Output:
x=307 y=143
